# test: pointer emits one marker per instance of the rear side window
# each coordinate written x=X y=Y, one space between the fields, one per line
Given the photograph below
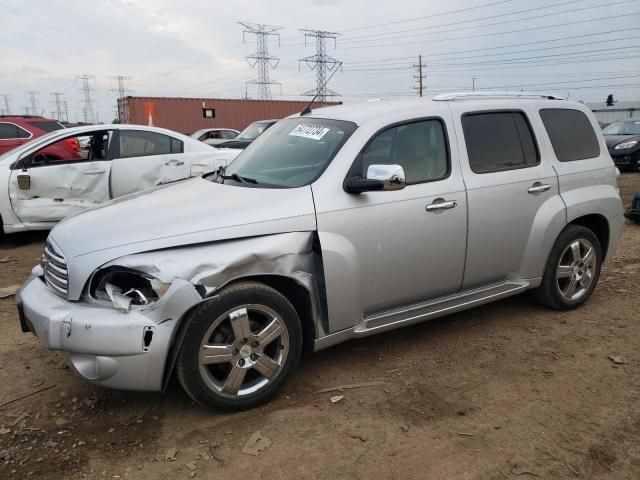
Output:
x=498 y=141
x=139 y=143
x=9 y=131
x=176 y=146
x=47 y=126
x=571 y=134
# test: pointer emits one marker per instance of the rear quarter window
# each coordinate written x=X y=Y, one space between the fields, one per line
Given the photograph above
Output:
x=571 y=134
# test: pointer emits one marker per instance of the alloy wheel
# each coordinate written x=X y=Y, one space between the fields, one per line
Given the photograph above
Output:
x=243 y=351
x=576 y=269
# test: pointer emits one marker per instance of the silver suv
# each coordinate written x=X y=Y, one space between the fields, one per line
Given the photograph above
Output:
x=336 y=223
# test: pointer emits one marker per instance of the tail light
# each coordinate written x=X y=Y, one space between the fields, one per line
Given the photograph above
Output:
x=73 y=144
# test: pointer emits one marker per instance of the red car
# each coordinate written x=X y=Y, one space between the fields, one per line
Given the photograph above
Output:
x=18 y=129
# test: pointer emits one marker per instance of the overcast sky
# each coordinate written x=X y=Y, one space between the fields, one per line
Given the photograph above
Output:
x=194 y=48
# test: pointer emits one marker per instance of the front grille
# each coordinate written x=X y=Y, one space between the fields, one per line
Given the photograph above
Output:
x=55 y=270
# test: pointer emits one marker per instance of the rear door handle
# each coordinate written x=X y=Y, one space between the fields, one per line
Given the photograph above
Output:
x=174 y=162
x=94 y=172
x=538 y=188
x=441 y=204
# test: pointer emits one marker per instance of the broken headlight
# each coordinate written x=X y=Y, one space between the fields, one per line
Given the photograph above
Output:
x=124 y=288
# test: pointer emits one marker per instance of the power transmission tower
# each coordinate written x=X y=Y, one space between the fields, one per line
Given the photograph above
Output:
x=87 y=104
x=58 y=103
x=121 y=91
x=32 y=98
x=261 y=58
x=473 y=84
x=65 y=106
x=7 y=107
x=320 y=62
x=420 y=77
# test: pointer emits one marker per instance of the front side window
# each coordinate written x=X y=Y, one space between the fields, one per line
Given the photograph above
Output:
x=88 y=147
x=419 y=147
x=139 y=143
x=9 y=131
x=499 y=141
x=253 y=131
x=571 y=134
x=291 y=153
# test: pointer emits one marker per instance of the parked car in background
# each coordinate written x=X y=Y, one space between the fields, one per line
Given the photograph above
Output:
x=215 y=136
x=16 y=130
x=248 y=135
x=51 y=177
x=341 y=223
x=623 y=142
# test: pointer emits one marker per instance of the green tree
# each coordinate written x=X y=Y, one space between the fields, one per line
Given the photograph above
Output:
x=610 y=100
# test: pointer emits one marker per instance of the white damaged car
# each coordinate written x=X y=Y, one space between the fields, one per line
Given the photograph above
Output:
x=53 y=177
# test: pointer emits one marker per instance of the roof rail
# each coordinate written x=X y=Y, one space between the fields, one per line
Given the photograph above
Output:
x=461 y=95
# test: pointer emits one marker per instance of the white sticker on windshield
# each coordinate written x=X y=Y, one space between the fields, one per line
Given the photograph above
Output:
x=315 y=132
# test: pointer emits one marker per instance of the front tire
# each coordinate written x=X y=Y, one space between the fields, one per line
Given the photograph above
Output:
x=572 y=270
x=240 y=347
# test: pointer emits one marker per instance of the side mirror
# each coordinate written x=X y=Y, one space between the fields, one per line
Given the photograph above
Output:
x=24 y=181
x=379 y=177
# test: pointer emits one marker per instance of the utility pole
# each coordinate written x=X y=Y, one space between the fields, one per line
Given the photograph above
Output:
x=420 y=77
x=320 y=62
x=32 y=97
x=121 y=91
x=88 y=113
x=7 y=108
x=58 y=103
x=474 y=84
x=261 y=58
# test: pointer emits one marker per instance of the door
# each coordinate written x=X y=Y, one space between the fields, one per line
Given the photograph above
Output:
x=393 y=248
x=61 y=178
x=509 y=184
x=11 y=136
x=145 y=159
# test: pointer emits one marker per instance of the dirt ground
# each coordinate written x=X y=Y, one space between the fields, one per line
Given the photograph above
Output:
x=507 y=390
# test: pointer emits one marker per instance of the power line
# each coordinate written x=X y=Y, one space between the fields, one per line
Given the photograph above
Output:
x=482 y=35
x=450 y=12
x=321 y=63
x=490 y=17
x=261 y=58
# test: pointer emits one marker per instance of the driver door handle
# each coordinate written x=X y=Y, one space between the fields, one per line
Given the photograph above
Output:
x=538 y=187
x=441 y=204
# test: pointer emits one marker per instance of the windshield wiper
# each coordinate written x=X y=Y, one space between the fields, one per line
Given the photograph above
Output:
x=238 y=178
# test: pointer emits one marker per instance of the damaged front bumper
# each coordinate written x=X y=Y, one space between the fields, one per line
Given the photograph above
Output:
x=105 y=346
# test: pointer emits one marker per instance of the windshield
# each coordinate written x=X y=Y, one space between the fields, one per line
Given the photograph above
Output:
x=623 y=128
x=292 y=153
x=252 y=131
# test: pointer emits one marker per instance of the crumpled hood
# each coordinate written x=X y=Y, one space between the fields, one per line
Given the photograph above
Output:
x=613 y=140
x=191 y=212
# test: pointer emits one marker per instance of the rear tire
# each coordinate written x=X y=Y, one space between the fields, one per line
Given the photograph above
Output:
x=572 y=270
x=240 y=347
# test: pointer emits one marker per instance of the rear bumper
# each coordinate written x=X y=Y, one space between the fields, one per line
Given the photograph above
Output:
x=104 y=346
